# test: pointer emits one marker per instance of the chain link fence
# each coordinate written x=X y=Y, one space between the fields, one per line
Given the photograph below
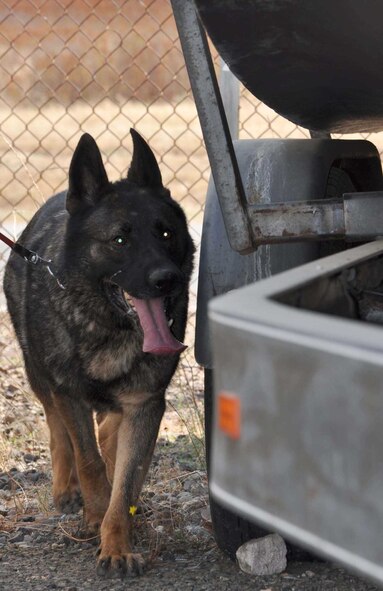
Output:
x=101 y=66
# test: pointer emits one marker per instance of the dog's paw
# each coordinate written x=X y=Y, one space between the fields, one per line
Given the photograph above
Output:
x=89 y=532
x=121 y=565
x=68 y=501
x=90 y=525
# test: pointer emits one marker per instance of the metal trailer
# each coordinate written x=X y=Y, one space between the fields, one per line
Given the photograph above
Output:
x=295 y=412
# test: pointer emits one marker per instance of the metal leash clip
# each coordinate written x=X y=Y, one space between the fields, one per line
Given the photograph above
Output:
x=32 y=257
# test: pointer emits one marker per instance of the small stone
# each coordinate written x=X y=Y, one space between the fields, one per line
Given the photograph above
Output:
x=194 y=503
x=32 y=506
x=34 y=476
x=168 y=555
x=263 y=556
x=194 y=484
x=198 y=532
x=17 y=477
x=8 y=419
x=184 y=497
x=309 y=573
x=4 y=481
x=17 y=537
x=28 y=458
x=23 y=544
x=28 y=518
x=3 y=510
x=206 y=515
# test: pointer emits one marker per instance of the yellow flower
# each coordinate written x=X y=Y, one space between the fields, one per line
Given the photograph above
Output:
x=132 y=510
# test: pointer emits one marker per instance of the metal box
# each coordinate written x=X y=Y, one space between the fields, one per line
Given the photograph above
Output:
x=298 y=426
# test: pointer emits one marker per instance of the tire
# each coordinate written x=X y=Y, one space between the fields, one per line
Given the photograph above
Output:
x=338 y=182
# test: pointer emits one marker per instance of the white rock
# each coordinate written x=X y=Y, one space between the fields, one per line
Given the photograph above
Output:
x=263 y=556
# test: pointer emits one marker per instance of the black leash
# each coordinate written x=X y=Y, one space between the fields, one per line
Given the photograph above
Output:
x=30 y=257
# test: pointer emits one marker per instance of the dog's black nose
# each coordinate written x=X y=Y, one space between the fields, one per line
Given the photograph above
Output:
x=164 y=280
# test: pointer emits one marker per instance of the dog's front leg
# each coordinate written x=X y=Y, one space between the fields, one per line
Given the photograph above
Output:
x=137 y=434
x=95 y=488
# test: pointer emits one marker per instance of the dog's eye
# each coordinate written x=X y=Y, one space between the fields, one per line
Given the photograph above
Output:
x=120 y=240
x=166 y=234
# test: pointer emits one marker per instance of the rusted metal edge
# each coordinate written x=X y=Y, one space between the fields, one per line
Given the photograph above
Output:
x=356 y=216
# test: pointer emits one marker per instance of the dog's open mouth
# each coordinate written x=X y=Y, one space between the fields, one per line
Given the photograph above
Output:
x=158 y=339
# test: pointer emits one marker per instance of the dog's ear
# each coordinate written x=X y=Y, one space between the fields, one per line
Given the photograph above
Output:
x=87 y=175
x=144 y=170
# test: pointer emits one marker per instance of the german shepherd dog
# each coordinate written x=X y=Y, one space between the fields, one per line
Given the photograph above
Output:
x=106 y=336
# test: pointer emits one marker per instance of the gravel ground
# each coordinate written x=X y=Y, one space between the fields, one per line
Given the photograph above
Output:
x=40 y=550
x=54 y=563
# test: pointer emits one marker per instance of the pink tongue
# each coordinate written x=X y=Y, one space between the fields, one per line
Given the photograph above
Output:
x=157 y=337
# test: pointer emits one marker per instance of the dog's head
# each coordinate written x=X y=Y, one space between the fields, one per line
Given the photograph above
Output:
x=129 y=237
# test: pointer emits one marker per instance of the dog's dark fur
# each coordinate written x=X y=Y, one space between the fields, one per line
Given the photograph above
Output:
x=82 y=345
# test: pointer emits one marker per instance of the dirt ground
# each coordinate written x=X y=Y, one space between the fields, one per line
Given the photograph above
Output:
x=72 y=569
x=40 y=550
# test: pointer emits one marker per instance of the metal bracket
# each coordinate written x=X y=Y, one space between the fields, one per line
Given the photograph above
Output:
x=363 y=215
x=356 y=216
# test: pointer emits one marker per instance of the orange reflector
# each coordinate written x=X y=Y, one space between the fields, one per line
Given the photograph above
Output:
x=229 y=419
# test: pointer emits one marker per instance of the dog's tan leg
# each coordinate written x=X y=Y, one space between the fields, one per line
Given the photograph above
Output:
x=108 y=425
x=137 y=436
x=95 y=488
x=66 y=489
